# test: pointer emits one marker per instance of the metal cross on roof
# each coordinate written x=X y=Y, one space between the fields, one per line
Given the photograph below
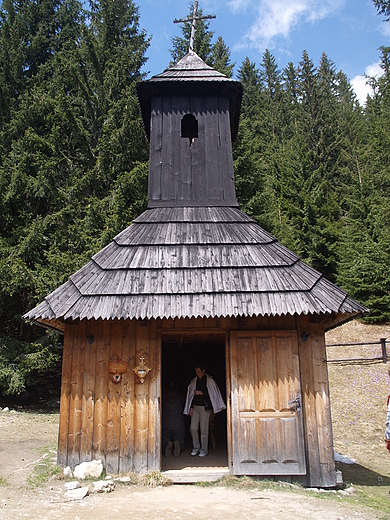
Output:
x=194 y=18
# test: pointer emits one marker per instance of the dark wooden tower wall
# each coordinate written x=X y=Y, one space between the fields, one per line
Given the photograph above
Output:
x=185 y=170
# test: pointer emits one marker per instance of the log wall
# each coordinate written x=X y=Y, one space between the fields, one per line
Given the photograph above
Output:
x=316 y=405
x=119 y=423
x=100 y=419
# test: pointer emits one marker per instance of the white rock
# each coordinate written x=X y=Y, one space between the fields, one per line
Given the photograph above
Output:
x=67 y=472
x=343 y=458
x=72 y=485
x=103 y=486
x=91 y=469
x=76 y=494
x=123 y=479
x=6 y=409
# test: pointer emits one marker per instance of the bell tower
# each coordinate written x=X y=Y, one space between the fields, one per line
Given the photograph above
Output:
x=190 y=113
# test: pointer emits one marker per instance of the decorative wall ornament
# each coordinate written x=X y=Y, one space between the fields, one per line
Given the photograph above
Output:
x=116 y=368
x=141 y=370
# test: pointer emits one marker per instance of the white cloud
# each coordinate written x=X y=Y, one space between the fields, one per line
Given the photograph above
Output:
x=385 y=29
x=239 y=5
x=277 y=18
x=359 y=83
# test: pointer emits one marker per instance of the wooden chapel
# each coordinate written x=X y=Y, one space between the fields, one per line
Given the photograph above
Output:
x=194 y=267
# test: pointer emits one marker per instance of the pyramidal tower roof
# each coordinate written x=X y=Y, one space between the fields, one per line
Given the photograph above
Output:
x=192 y=76
x=190 y=68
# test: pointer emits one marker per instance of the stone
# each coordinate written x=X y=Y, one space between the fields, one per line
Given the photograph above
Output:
x=103 y=486
x=6 y=409
x=67 y=472
x=126 y=478
x=72 y=485
x=91 y=469
x=76 y=494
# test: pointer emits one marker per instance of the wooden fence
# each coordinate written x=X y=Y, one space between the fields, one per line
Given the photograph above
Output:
x=365 y=352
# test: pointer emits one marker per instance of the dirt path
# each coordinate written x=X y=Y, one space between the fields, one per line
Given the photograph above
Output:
x=23 y=435
x=173 y=502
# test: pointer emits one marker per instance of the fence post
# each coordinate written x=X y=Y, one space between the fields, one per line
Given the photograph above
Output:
x=384 y=351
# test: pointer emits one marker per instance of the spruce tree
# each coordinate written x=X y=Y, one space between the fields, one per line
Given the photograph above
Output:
x=74 y=156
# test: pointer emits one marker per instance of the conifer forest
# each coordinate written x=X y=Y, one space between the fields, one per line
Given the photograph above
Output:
x=312 y=166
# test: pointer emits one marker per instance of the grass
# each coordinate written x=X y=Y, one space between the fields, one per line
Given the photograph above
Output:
x=358 y=396
x=3 y=482
x=44 y=469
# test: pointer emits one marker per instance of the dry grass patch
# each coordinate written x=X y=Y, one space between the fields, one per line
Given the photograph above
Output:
x=358 y=395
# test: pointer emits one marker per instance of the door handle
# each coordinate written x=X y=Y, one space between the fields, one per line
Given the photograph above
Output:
x=297 y=403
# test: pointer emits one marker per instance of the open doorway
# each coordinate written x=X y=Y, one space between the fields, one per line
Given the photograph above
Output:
x=180 y=355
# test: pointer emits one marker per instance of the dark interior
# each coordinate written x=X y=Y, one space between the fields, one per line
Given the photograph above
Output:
x=180 y=355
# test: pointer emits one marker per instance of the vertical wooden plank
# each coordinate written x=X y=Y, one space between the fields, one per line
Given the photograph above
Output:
x=226 y=157
x=186 y=152
x=213 y=151
x=180 y=148
x=154 y=380
x=127 y=398
x=141 y=403
x=317 y=405
x=309 y=403
x=198 y=172
x=155 y=161
x=62 y=454
x=88 y=403
x=76 y=394
x=266 y=397
x=324 y=419
x=101 y=382
x=166 y=151
x=229 y=420
x=235 y=391
x=267 y=380
x=114 y=402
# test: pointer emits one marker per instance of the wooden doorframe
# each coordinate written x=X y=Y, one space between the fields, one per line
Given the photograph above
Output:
x=194 y=332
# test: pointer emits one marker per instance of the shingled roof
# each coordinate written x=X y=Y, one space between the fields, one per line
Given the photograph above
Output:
x=193 y=262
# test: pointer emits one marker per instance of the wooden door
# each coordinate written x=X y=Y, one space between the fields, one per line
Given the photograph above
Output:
x=266 y=416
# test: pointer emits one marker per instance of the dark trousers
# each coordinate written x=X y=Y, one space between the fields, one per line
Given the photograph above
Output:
x=172 y=436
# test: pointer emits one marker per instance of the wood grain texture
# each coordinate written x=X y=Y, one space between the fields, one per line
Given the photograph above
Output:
x=114 y=402
x=268 y=434
x=76 y=393
x=62 y=455
x=88 y=400
x=316 y=408
x=154 y=383
x=101 y=390
x=141 y=419
x=126 y=450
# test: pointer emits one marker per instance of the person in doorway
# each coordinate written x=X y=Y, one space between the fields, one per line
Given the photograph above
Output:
x=173 y=421
x=203 y=396
x=387 y=431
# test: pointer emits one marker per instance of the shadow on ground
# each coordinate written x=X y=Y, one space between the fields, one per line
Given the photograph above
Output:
x=361 y=476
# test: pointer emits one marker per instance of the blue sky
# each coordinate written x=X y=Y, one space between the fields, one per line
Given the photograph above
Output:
x=348 y=31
